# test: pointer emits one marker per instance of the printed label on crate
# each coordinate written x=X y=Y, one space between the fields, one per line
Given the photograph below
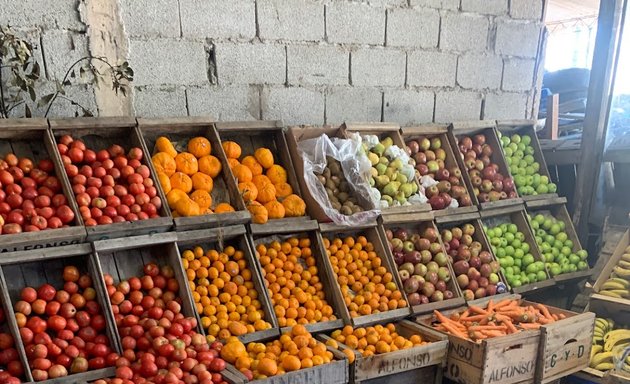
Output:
x=383 y=365
x=570 y=355
x=464 y=351
x=462 y=372
x=52 y=243
x=321 y=374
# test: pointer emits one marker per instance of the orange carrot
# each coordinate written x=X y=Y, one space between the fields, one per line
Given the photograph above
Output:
x=510 y=327
x=475 y=318
x=487 y=328
x=562 y=316
x=490 y=306
x=477 y=310
x=455 y=331
x=491 y=333
x=529 y=325
x=502 y=303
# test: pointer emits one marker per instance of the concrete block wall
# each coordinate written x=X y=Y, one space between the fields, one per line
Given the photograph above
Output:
x=317 y=61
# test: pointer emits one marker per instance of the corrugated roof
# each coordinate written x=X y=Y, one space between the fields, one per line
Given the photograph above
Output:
x=565 y=10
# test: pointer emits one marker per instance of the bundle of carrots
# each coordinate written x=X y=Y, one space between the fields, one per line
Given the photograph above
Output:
x=497 y=319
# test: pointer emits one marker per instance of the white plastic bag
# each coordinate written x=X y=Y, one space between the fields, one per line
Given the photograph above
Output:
x=356 y=169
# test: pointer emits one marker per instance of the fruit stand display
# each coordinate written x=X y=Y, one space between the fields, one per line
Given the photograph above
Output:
x=434 y=157
x=188 y=157
x=557 y=240
x=395 y=181
x=227 y=288
x=60 y=313
x=424 y=267
x=475 y=268
x=365 y=278
x=258 y=156
x=297 y=277
x=109 y=169
x=481 y=157
x=35 y=204
x=613 y=283
x=523 y=155
x=405 y=352
x=515 y=247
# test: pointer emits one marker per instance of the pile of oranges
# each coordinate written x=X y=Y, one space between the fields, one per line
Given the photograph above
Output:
x=367 y=287
x=223 y=292
x=187 y=177
x=373 y=340
x=263 y=184
x=291 y=276
x=294 y=350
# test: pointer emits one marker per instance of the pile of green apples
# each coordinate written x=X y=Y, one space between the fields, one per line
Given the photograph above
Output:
x=555 y=245
x=513 y=252
x=519 y=156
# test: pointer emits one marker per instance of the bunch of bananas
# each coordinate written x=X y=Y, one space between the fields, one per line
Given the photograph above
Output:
x=619 y=282
x=605 y=339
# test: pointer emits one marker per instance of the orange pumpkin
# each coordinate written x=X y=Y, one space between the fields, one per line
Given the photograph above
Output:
x=187 y=207
x=275 y=209
x=181 y=181
x=232 y=149
x=199 y=147
x=277 y=174
x=186 y=163
x=266 y=193
x=253 y=165
x=174 y=196
x=264 y=157
x=203 y=182
x=210 y=165
x=242 y=173
x=163 y=144
x=248 y=190
x=223 y=208
x=164 y=163
x=294 y=206
x=164 y=182
x=202 y=198
x=259 y=212
x=283 y=190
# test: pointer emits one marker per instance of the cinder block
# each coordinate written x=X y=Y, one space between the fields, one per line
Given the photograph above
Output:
x=453 y=106
x=378 y=67
x=317 y=64
x=293 y=105
x=479 y=71
x=418 y=27
x=439 y=4
x=431 y=69
x=355 y=23
x=486 y=7
x=353 y=104
x=526 y=9
x=518 y=74
x=143 y=18
x=218 y=18
x=291 y=20
x=58 y=14
x=251 y=63
x=166 y=61
x=516 y=38
x=408 y=107
x=159 y=102
x=505 y=106
x=464 y=32
x=61 y=50
x=229 y=103
x=82 y=94
x=388 y=3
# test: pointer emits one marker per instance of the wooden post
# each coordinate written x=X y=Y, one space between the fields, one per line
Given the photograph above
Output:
x=551 y=122
x=596 y=118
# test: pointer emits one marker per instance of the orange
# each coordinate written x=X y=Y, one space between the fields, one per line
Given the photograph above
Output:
x=209 y=165
x=291 y=363
x=199 y=147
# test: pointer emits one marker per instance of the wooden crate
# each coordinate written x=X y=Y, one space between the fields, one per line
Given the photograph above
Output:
x=620 y=304
x=307 y=229
x=251 y=135
x=508 y=359
x=448 y=222
x=371 y=233
x=422 y=363
x=30 y=138
x=125 y=258
x=236 y=236
x=556 y=207
x=179 y=131
x=36 y=267
x=441 y=131
x=11 y=328
x=488 y=128
x=294 y=136
x=383 y=130
x=528 y=128
x=516 y=215
x=100 y=133
x=419 y=223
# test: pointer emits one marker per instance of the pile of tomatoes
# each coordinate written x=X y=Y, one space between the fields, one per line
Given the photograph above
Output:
x=10 y=366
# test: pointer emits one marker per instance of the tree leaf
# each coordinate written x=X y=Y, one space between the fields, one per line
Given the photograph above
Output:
x=31 y=92
x=45 y=100
x=27 y=111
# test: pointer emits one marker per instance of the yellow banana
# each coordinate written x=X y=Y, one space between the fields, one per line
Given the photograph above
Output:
x=625 y=257
x=611 y=324
x=619 y=337
x=602 y=357
x=604 y=367
x=621 y=292
x=611 y=294
x=622 y=272
x=597 y=340
x=625 y=283
x=623 y=264
x=610 y=285
x=595 y=349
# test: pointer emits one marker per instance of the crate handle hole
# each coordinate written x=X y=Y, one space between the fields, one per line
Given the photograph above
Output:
x=512 y=347
x=570 y=341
